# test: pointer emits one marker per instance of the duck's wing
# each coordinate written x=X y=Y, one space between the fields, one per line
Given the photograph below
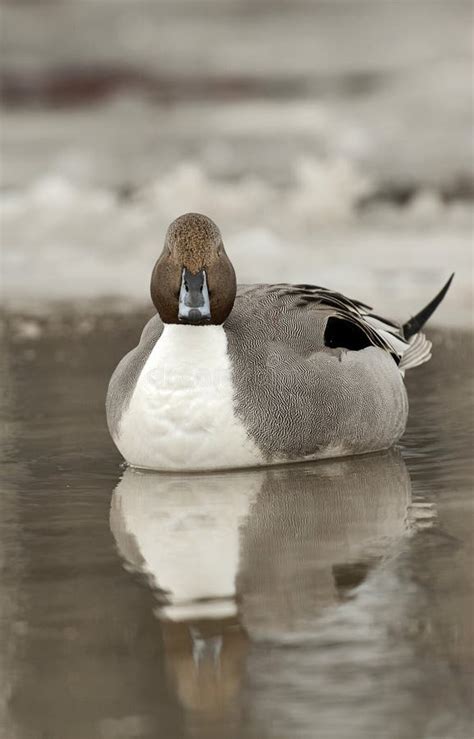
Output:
x=353 y=325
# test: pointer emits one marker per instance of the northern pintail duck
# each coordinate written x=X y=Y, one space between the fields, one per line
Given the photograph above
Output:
x=239 y=376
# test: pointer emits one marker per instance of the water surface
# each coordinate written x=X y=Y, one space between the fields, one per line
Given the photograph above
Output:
x=331 y=599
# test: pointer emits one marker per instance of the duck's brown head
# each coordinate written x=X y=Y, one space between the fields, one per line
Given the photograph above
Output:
x=193 y=280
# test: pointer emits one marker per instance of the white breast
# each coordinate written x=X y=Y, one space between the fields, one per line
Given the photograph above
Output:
x=181 y=414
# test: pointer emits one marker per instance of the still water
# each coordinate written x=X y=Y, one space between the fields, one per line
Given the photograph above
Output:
x=316 y=601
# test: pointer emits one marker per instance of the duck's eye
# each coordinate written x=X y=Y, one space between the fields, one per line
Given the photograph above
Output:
x=345 y=335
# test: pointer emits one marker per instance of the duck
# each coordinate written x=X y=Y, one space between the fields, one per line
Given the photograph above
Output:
x=232 y=376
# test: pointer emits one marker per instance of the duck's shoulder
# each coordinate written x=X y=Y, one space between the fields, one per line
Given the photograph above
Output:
x=123 y=381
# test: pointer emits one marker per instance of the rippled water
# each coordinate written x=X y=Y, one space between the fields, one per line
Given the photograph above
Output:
x=331 y=599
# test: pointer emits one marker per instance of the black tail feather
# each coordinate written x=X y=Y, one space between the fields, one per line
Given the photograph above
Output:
x=412 y=326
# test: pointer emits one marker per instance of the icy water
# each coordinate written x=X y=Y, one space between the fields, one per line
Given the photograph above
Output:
x=326 y=600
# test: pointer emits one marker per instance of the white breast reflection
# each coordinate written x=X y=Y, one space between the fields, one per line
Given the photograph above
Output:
x=286 y=544
x=182 y=531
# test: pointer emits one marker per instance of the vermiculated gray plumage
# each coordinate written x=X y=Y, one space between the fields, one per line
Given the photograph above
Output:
x=298 y=397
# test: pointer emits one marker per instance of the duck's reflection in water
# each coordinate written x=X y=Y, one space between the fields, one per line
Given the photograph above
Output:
x=261 y=554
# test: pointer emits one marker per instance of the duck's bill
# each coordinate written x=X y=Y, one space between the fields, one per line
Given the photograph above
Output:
x=194 y=303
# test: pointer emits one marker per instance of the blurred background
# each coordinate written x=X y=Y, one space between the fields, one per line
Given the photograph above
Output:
x=329 y=139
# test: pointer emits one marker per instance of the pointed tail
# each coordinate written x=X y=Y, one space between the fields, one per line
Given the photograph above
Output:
x=411 y=327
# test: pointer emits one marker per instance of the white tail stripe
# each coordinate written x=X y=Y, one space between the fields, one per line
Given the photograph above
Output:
x=418 y=352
